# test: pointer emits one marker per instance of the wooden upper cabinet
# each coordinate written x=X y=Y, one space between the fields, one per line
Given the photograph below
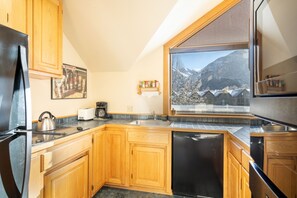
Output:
x=15 y=14
x=47 y=37
x=4 y=12
x=20 y=15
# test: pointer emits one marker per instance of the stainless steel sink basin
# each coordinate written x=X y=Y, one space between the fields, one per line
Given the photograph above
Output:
x=151 y=122
x=274 y=128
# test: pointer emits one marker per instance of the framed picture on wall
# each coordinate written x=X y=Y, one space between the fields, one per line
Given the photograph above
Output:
x=72 y=85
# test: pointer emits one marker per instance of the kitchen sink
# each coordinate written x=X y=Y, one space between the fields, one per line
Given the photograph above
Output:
x=150 y=123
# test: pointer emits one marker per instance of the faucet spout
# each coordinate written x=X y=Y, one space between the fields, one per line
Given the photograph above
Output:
x=154 y=115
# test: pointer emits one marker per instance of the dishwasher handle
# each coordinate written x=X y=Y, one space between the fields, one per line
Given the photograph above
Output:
x=196 y=137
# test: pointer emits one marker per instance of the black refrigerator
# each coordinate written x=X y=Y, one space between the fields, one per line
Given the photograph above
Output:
x=15 y=114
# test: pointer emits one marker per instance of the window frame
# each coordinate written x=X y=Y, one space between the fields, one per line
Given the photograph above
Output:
x=198 y=25
x=208 y=48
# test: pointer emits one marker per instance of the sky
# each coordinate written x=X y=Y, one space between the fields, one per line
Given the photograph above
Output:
x=198 y=60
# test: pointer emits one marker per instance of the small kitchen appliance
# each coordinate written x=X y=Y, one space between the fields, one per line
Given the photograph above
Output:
x=46 y=123
x=101 y=109
x=86 y=114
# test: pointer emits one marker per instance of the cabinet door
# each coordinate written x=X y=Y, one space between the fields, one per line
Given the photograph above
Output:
x=98 y=161
x=68 y=181
x=47 y=36
x=116 y=157
x=234 y=176
x=19 y=17
x=245 y=186
x=148 y=166
x=282 y=172
x=36 y=177
x=5 y=8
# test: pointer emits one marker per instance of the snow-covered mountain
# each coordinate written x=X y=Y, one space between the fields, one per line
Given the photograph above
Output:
x=228 y=72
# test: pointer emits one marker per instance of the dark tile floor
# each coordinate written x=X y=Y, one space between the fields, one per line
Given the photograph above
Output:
x=107 y=192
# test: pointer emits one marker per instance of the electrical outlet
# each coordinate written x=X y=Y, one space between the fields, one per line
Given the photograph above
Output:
x=129 y=108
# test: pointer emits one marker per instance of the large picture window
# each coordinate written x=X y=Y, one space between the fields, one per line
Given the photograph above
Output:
x=210 y=82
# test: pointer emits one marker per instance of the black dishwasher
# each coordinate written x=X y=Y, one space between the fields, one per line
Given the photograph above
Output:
x=197 y=164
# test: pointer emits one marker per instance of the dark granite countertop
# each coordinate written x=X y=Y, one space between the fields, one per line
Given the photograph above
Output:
x=241 y=131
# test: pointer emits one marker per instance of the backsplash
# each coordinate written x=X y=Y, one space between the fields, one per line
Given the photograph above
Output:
x=254 y=122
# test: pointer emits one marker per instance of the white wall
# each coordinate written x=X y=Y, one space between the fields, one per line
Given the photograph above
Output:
x=41 y=90
x=119 y=89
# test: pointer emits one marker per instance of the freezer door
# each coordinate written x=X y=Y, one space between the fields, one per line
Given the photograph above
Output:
x=15 y=153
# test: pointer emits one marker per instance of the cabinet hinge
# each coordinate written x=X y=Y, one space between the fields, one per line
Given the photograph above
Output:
x=92 y=187
x=92 y=140
x=132 y=152
x=7 y=17
x=131 y=176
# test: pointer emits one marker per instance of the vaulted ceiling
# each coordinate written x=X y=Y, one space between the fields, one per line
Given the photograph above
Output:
x=111 y=35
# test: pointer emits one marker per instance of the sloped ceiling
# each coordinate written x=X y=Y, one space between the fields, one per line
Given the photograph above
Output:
x=111 y=35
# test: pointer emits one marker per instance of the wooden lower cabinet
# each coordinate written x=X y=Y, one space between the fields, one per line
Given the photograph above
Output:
x=282 y=171
x=148 y=164
x=237 y=171
x=245 y=186
x=116 y=157
x=71 y=180
x=280 y=162
x=234 y=177
x=36 y=176
x=98 y=173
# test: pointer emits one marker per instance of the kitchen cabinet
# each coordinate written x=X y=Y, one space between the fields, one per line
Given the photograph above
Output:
x=237 y=171
x=148 y=168
x=69 y=181
x=234 y=176
x=67 y=167
x=98 y=173
x=150 y=160
x=280 y=162
x=245 y=186
x=280 y=172
x=15 y=14
x=116 y=173
x=46 y=53
x=36 y=176
x=20 y=15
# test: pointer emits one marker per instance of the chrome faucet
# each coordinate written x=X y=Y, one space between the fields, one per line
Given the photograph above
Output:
x=154 y=115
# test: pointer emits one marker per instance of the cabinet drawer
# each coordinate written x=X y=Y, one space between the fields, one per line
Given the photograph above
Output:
x=284 y=147
x=65 y=151
x=148 y=137
x=235 y=149
x=245 y=159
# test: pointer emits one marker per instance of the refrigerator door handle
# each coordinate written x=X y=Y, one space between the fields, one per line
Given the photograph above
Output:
x=28 y=135
x=24 y=69
x=6 y=168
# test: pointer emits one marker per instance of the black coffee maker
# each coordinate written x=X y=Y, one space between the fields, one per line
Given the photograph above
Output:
x=101 y=110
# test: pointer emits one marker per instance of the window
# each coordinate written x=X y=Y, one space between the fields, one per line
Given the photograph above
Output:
x=210 y=81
